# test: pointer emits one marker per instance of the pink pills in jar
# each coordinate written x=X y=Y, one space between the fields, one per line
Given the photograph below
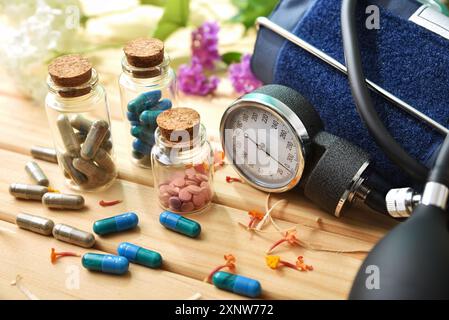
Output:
x=182 y=169
x=186 y=193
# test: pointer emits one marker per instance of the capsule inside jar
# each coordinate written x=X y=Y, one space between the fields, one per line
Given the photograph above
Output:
x=80 y=124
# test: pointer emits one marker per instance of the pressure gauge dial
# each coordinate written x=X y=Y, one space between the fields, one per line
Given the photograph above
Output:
x=265 y=141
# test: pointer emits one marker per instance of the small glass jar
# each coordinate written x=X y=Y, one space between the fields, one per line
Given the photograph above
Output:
x=145 y=92
x=79 y=120
x=183 y=173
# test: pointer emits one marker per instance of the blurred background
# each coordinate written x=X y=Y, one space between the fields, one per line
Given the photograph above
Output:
x=33 y=32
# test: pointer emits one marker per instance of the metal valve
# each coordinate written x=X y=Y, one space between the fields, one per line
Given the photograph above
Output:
x=401 y=202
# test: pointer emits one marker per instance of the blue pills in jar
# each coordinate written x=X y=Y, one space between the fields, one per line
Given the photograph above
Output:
x=142 y=113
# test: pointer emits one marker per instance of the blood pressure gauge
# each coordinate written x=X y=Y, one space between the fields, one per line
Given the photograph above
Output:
x=265 y=140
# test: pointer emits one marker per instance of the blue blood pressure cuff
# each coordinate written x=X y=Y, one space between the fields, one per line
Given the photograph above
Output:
x=408 y=56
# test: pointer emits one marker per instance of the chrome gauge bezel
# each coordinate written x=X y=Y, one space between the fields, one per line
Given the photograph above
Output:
x=284 y=114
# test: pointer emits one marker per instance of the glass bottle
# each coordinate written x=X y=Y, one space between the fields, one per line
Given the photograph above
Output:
x=183 y=171
x=78 y=116
x=147 y=88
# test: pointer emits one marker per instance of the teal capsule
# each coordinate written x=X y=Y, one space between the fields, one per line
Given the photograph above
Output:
x=145 y=101
x=163 y=105
x=149 y=117
x=180 y=224
x=143 y=133
x=132 y=117
x=105 y=263
x=142 y=147
x=115 y=224
x=237 y=284
x=139 y=255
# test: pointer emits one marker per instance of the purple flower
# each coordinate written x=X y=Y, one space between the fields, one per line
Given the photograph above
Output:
x=242 y=77
x=205 y=44
x=192 y=79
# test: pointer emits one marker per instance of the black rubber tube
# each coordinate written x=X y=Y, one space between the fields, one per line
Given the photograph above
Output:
x=440 y=171
x=363 y=99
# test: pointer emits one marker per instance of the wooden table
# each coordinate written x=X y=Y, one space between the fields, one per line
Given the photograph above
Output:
x=186 y=261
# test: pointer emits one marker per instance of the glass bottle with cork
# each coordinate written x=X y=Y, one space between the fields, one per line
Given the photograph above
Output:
x=182 y=161
x=147 y=88
x=78 y=116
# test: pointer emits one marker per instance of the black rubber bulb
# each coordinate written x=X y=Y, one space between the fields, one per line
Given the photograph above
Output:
x=412 y=261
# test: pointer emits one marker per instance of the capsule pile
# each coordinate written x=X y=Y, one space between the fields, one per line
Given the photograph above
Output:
x=87 y=160
x=142 y=114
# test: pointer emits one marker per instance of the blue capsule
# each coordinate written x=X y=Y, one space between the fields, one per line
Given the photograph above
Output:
x=237 y=284
x=139 y=255
x=180 y=224
x=132 y=117
x=143 y=133
x=115 y=224
x=105 y=263
x=149 y=117
x=145 y=101
x=142 y=147
x=164 y=104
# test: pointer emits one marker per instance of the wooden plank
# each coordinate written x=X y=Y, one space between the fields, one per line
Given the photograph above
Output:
x=24 y=125
x=67 y=279
x=221 y=234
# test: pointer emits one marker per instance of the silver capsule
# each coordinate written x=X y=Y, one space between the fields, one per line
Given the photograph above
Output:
x=81 y=123
x=43 y=153
x=73 y=235
x=81 y=137
x=68 y=136
x=94 y=139
x=67 y=163
x=104 y=161
x=35 y=224
x=36 y=173
x=88 y=168
x=28 y=192
x=63 y=201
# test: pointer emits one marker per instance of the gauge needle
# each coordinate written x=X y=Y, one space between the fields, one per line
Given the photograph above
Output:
x=258 y=147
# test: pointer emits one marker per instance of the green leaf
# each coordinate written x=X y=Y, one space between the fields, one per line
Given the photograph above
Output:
x=176 y=15
x=231 y=57
x=159 y=3
x=250 y=10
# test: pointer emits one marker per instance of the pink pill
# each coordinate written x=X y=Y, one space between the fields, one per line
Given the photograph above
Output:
x=191 y=183
x=187 y=207
x=185 y=195
x=164 y=189
x=194 y=189
x=207 y=193
x=199 y=200
x=179 y=182
x=202 y=177
x=175 y=203
x=174 y=191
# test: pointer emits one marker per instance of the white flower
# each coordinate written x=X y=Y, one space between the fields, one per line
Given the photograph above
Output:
x=31 y=33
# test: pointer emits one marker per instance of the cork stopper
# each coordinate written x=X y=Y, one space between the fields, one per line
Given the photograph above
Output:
x=174 y=123
x=145 y=52
x=71 y=71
